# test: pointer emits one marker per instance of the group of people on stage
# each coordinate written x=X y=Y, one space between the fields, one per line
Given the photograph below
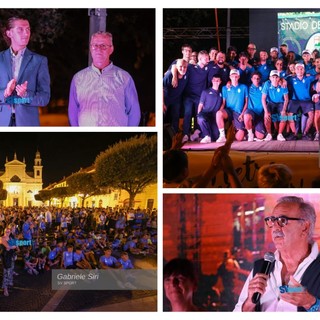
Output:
x=274 y=96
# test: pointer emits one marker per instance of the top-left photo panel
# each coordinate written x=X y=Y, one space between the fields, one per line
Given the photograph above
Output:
x=77 y=67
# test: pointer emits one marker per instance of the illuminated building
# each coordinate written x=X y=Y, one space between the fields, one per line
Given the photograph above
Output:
x=21 y=185
x=111 y=198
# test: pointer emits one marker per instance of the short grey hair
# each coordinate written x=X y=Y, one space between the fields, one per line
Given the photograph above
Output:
x=306 y=209
x=101 y=33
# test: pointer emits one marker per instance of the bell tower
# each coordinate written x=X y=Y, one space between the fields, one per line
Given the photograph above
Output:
x=37 y=168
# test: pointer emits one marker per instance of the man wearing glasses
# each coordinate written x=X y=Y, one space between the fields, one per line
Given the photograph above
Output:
x=103 y=94
x=294 y=280
x=251 y=50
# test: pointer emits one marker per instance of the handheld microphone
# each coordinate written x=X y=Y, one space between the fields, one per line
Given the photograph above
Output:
x=266 y=269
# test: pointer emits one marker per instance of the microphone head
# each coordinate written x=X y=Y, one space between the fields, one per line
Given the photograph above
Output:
x=269 y=256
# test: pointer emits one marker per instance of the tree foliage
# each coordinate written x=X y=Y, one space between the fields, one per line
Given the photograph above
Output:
x=61 y=193
x=44 y=195
x=83 y=184
x=46 y=25
x=130 y=165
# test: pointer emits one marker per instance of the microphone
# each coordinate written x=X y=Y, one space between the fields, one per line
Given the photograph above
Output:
x=266 y=269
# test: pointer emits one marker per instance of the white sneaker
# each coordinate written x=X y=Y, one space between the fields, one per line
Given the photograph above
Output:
x=206 y=139
x=316 y=137
x=268 y=137
x=185 y=138
x=280 y=137
x=221 y=139
x=195 y=135
x=250 y=137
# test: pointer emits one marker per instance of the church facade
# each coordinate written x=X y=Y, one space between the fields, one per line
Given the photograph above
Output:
x=22 y=185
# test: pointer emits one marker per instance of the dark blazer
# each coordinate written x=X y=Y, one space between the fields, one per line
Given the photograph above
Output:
x=34 y=69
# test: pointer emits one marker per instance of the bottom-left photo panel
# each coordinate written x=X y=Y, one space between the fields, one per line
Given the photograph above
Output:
x=78 y=221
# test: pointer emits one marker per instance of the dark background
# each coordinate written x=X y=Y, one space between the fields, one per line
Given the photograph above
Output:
x=247 y=25
x=62 y=153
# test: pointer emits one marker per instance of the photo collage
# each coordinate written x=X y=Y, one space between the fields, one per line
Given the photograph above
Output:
x=159 y=160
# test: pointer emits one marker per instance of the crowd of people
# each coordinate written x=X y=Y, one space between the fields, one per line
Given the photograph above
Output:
x=270 y=95
x=74 y=238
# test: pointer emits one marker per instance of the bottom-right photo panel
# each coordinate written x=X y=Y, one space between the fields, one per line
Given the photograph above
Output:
x=241 y=252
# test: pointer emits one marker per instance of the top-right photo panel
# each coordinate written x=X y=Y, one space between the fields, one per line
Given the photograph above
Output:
x=241 y=98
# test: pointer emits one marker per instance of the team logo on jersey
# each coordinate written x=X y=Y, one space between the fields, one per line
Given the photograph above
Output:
x=278 y=90
x=239 y=90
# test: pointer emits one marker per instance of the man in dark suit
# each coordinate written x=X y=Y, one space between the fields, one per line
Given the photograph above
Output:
x=25 y=79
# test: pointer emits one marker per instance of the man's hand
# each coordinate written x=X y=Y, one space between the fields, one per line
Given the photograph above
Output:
x=164 y=108
x=267 y=116
x=22 y=89
x=283 y=83
x=10 y=87
x=299 y=299
x=257 y=284
x=315 y=98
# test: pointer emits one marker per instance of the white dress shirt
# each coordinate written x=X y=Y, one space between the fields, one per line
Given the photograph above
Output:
x=270 y=300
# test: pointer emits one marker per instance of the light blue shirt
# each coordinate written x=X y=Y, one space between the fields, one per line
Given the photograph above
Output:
x=126 y=264
x=254 y=101
x=300 y=88
x=235 y=97
x=106 y=98
x=274 y=94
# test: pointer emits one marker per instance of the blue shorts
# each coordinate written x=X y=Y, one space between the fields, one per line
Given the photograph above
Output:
x=233 y=116
x=275 y=107
x=306 y=106
x=317 y=106
x=258 y=121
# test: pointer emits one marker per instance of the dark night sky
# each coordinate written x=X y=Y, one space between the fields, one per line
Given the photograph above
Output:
x=62 y=153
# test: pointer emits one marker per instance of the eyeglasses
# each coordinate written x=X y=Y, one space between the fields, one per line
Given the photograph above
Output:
x=95 y=46
x=282 y=220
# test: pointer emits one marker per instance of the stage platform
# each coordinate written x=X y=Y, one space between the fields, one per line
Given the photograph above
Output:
x=259 y=146
x=302 y=157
